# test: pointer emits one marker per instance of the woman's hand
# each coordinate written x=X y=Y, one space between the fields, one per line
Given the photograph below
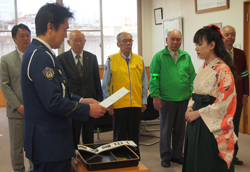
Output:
x=191 y=115
x=189 y=109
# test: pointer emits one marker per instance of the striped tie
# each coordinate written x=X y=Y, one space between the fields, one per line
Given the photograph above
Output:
x=79 y=66
x=231 y=55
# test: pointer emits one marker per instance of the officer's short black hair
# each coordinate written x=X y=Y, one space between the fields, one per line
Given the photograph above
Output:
x=53 y=13
x=16 y=27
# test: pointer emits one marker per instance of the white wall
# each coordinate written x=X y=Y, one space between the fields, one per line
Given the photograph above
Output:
x=147 y=32
x=152 y=35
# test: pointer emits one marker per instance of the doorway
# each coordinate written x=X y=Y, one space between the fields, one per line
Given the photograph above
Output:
x=244 y=122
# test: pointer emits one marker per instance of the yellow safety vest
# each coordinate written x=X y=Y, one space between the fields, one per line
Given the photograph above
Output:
x=128 y=76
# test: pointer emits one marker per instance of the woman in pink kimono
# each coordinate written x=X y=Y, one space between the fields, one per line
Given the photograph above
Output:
x=210 y=138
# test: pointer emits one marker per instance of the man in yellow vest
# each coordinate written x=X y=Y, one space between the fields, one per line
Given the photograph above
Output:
x=126 y=69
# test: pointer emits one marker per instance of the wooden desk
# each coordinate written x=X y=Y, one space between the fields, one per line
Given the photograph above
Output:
x=79 y=167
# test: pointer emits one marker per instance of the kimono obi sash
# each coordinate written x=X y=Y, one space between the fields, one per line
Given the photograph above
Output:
x=202 y=100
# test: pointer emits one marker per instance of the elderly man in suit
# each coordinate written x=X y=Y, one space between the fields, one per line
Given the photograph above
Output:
x=242 y=84
x=11 y=87
x=82 y=72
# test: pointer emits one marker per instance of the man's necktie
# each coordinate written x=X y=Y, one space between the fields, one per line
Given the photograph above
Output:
x=231 y=55
x=175 y=57
x=127 y=60
x=79 y=65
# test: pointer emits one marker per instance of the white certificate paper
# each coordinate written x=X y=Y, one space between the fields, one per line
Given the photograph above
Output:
x=114 y=97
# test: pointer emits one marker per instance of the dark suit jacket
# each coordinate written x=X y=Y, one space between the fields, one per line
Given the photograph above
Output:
x=89 y=85
x=242 y=84
x=48 y=106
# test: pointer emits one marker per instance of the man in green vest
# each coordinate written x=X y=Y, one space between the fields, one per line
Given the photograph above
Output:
x=171 y=84
x=126 y=69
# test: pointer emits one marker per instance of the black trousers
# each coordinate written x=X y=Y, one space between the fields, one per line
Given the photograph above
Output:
x=126 y=125
x=87 y=129
x=61 y=166
x=236 y=121
x=172 y=129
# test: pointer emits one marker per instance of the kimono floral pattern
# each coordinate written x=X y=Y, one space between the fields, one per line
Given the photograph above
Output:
x=216 y=79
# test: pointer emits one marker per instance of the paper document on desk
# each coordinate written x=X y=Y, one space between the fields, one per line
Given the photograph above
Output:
x=114 y=97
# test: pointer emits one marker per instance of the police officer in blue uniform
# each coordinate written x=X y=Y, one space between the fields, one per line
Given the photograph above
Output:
x=48 y=106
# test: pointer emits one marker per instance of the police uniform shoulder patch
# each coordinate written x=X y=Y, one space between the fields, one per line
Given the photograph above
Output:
x=48 y=73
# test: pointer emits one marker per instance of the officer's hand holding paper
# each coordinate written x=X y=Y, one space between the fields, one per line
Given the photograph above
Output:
x=96 y=110
x=89 y=101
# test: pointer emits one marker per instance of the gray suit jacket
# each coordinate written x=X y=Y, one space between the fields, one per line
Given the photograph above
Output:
x=10 y=68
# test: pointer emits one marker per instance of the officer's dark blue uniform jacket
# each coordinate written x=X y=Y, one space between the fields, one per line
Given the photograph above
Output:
x=48 y=106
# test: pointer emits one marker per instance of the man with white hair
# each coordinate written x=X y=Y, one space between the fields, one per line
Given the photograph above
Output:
x=171 y=84
x=126 y=69
x=85 y=83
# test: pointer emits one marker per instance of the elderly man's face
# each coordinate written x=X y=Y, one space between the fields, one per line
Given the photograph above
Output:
x=229 y=36
x=174 y=40
x=125 y=43
x=76 y=41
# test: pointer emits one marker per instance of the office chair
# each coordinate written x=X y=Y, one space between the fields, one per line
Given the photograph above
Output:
x=103 y=124
x=149 y=117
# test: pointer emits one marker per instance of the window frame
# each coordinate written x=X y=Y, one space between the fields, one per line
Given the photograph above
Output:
x=62 y=48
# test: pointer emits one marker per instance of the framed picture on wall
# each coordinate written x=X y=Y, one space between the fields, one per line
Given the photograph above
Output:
x=158 y=16
x=202 y=6
x=170 y=24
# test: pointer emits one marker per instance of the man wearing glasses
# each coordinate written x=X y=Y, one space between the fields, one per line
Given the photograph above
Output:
x=241 y=84
x=82 y=72
x=126 y=69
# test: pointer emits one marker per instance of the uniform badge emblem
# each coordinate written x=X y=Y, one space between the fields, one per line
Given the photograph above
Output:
x=48 y=73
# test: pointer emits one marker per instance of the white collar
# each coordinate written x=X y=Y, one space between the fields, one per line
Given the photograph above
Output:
x=74 y=54
x=20 y=53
